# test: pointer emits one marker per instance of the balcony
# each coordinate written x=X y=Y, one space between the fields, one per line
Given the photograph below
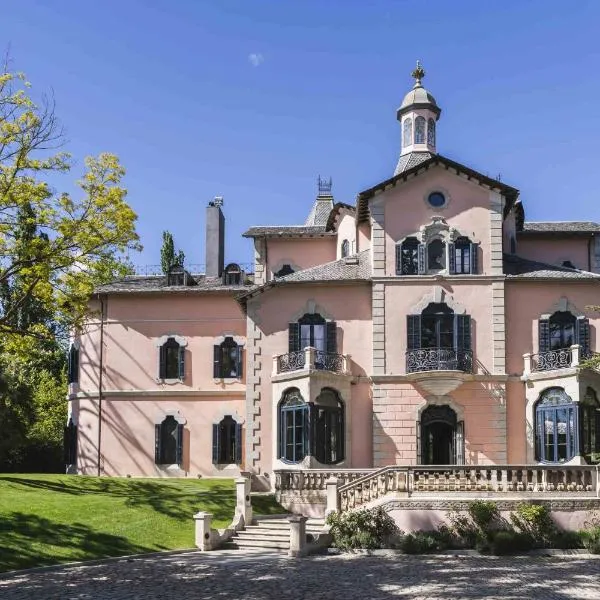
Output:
x=439 y=359
x=311 y=359
x=563 y=358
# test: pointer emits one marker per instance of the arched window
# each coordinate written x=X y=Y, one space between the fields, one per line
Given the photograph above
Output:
x=172 y=360
x=431 y=132
x=285 y=270
x=293 y=427
x=328 y=415
x=227 y=442
x=168 y=447
x=228 y=363
x=420 y=130
x=345 y=248
x=436 y=255
x=560 y=332
x=440 y=436
x=232 y=275
x=407 y=257
x=73 y=364
x=556 y=426
x=407 y=133
x=589 y=419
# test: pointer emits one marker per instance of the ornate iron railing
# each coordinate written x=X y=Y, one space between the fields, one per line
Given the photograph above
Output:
x=553 y=359
x=292 y=361
x=439 y=359
x=329 y=361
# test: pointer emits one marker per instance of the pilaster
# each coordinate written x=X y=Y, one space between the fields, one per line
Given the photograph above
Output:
x=378 y=312
x=253 y=395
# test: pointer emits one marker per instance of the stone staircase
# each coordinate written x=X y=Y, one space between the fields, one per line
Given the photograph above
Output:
x=271 y=533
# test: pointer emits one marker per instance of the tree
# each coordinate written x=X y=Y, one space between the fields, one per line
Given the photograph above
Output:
x=54 y=247
x=168 y=258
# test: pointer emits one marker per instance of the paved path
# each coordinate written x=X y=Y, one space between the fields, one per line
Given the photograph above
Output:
x=232 y=575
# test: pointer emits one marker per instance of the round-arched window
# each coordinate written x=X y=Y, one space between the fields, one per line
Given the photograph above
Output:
x=431 y=132
x=407 y=133
x=293 y=427
x=328 y=426
x=556 y=426
x=420 y=130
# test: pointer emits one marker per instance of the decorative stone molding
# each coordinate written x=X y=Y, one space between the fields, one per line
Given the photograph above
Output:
x=161 y=415
x=378 y=312
x=312 y=308
x=562 y=305
x=163 y=339
x=225 y=412
x=496 y=213
x=253 y=383
x=462 y=504
x=238 y=339
x=441 y=401
x=441 y=190
x=498 y=328
x=438 y=295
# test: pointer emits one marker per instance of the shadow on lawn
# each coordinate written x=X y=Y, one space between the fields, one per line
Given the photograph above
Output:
x=28 y=540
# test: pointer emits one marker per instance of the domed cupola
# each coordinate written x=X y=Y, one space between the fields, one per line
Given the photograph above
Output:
x=418 y=115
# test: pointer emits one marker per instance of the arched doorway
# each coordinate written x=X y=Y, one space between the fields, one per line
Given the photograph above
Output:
x=441 y=436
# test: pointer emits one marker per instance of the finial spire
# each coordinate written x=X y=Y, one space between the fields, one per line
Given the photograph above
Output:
x=418 y=74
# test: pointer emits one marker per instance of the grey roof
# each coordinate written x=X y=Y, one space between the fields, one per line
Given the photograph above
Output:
x=319 y=213
x=418 y=97
x=517 y=267
x=351 y=268
x=287 y=231
x=410 y=160
x=560 y=227
x=158 y=283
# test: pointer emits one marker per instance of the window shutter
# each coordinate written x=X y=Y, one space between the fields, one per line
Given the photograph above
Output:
x=215 y=444
x=216 y=361
x=421 y=259
x=179 y=455
x=238 y=443
x=240 y=361
x=67 y=446
x=462 y=332
x=181 y=362
x=294 y=337
x=474 y=256
x=413 y=332
x=331 y=337
x=280 y=432
x=459 y=443
x=420 y=459
x=451 y=258
x=582 y=336
x=310 y=422
x=162 y=362
x=543 y=335
x=157 y=444
x=398 y=259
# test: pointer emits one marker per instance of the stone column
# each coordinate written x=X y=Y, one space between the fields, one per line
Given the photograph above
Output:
x=575 y=355
x=333 y=504
x=297 y=536
x=309 y=357
x=204 y=536
x=527 y=363
x=243 y=506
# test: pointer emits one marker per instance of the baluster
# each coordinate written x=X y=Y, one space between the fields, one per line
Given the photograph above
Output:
x=504 y=480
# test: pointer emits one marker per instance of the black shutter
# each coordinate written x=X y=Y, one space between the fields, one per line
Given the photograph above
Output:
x=217 y=362
x=413 y=332
x=294 y=337
x=162 y=362
x=157 y=444
x=310 y=422
x=451 y=258
x=398 y=259
x=238 y=443
x=462 y=332
x=179 y=456
x=67 y=445
x=582 y=336
x=420 y=459
x=280 y=433
x=421 y=259
x=240 y=361
x=215 y=444
x=181 y=362
x=331 y=337
x=543 y=335
x=474 y=255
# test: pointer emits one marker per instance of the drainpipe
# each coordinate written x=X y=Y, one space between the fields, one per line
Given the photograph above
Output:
x=100 y=379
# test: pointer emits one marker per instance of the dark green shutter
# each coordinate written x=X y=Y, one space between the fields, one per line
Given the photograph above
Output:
x=179 y=450
x=294 y=337
x=157 y=444
x=215 y=444
x=398 y=259
x=331 y=337
x=240 y=361
x=422 y=269
x=582 y=336
x=451 y=258
x=462 y=332
x=217 y=362
x=309 y=417
x=73 y=364
x=474 y=256
x=238 y=443
x=162 y=360
x=543 y=335
x=181 y=362
x=413 y=332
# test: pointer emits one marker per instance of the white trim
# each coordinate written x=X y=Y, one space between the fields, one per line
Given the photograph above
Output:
x=311 y=308
x=160 y=415
x=562 y=305
x=441 y=401
x=438 y=295
x=219 y=416
x=440 y=190
x=238 y=339
x=163 y=339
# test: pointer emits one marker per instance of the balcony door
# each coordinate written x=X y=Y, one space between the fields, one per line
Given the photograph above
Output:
x=441 y=436
x=312 y=330
x=437 y=326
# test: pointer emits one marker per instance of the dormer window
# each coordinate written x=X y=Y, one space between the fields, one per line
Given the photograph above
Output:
x=345 y=248
x=285 y=270
x=178 y=276
x=232 y=275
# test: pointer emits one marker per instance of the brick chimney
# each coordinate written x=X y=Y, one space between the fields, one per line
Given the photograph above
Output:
x=215 y=238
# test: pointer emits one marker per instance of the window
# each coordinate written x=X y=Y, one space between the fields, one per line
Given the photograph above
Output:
x=293 y=427
x=463 y=256
x=431 y=132
x=436 y=200
x=73 y=364
x=70 y=443
x=178 y=276
x=345 y=248
x=285 y=270
x=328 y=415
x=172 y=360
x=589 y=419
x=407 y=133
x=562 y=330
x=420 y=130
x=568 y=264
x=232 y=275
x=227 y=442
x=556 y=427
x=436 y=255
x=228 y=360
x=168 y=446
x=314 y=331
x=441 y=438
x=407 y=257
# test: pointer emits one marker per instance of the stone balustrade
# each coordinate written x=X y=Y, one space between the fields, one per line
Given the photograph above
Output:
x=312 y=360
x=314 y=479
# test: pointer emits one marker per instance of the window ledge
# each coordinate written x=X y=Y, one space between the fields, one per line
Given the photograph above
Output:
x=169 y=381
x=227 y=380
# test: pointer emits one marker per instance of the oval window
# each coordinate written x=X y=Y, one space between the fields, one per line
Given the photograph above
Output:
x=436 y=199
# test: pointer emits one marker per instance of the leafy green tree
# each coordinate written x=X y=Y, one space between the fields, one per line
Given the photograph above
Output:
x=168 y=258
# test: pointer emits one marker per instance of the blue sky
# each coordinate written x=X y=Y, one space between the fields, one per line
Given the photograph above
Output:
x=253 y=99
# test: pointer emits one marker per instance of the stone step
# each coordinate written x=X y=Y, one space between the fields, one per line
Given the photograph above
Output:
x=263 y=535
x=246 y=543
x=274 y=528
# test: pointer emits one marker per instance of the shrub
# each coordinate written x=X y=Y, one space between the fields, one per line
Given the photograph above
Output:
x=464 y=529
x=366 y=529
x=510 y=542
x=535 y=521
x=590 y=539
x=567 y=540
x=484 y=513
x=420 y=542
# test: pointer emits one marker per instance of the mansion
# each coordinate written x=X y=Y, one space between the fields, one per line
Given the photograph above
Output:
x=428 y=323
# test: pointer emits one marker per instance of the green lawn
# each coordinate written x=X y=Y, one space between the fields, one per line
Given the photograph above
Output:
x=47 y=519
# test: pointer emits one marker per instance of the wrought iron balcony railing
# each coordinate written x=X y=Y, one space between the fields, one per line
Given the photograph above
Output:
x=310 y=358
x=439 y=359
x=562 y=358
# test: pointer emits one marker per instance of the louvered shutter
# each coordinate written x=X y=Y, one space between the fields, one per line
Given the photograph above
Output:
x=341 y=436
x=215 y=444
x=582 y=336
x=181 y=362
x=179 y=450
x=398 y=259
x=294 y=337
x=413 y=332
x=216 y=361
x=451 y=258
x=543 y=335
x=157 y=444
x=459 y=443
x=331 y=337
x=462 y=332
x=162 y=362
x=280 y=432
x=240 y=361
x=421 y=259
x=309 y=429
x=420 y=459
x=238 y=443
x=474 y=256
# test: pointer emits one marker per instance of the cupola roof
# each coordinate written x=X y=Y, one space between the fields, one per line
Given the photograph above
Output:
x=418 y=97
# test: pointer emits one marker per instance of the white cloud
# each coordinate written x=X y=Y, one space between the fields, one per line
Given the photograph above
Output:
x=255 y=59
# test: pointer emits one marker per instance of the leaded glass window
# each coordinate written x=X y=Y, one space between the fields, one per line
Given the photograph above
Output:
x=293 y=427
x=420 y=130
x=431 y=132
x=407 y=133
x=462 y=255
x=556 y=427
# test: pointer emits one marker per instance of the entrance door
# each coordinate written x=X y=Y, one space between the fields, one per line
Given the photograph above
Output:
x=439 y=436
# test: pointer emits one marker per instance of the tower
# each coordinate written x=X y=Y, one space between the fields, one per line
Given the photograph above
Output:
x=418 y=115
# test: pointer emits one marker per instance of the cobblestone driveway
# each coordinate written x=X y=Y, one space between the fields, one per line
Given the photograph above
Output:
x=233 y=575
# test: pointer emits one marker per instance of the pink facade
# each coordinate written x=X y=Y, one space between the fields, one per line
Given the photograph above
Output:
x=428 y=324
